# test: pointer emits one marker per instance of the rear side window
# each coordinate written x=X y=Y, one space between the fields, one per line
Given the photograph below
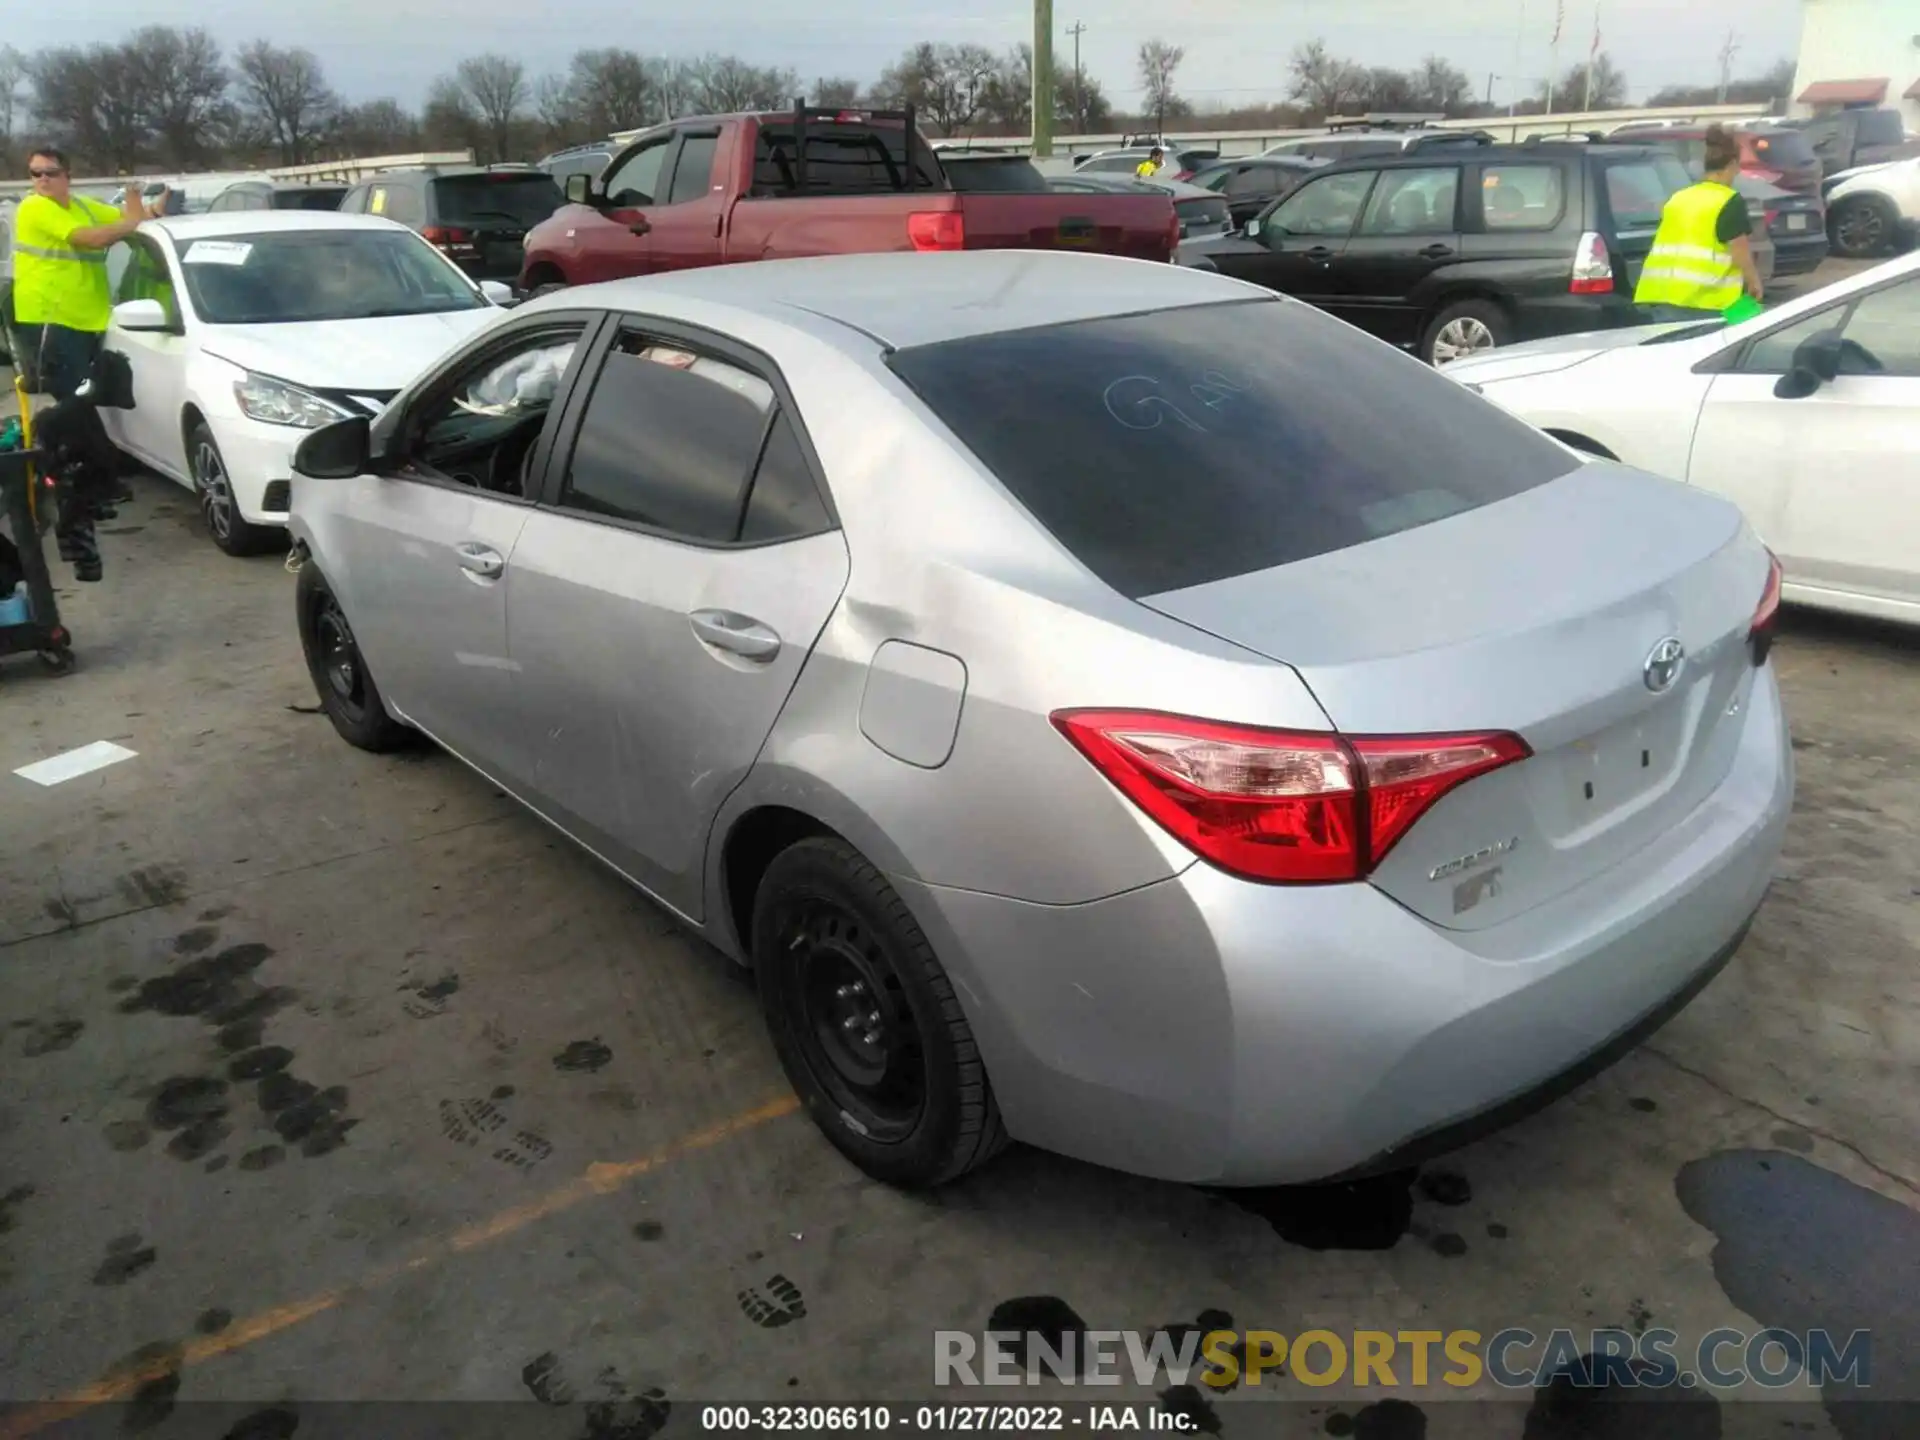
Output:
x=523 y=199
x=1522 y=197
x=668 y=440
x=1881 y=127
x=1638 y=190
x=843 y=158
x=309 y=199
x=784 y=504
x=1181 y=447
x=693 y=171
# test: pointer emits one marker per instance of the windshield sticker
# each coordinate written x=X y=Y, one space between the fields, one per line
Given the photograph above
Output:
x=217 y=252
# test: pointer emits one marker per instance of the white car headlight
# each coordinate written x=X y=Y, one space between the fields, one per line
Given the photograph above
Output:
x=277 y=403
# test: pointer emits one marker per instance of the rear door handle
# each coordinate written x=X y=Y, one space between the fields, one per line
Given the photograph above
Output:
x=481 y=560
x=737 y=634
x=1436 y=251
x=640 y=226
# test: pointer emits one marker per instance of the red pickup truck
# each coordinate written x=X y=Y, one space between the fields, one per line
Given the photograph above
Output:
x=719 y=190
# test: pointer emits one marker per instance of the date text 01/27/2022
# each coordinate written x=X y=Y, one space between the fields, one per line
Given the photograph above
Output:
x=939 y=1419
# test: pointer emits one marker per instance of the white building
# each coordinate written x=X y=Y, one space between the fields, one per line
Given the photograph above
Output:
x=1859 y=52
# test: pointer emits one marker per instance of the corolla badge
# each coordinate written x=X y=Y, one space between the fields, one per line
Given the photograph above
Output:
x=1478 y=857
x=1663 y=665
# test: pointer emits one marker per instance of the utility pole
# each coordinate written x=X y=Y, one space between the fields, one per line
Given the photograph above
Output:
x=1553 y=51
x=1593 y=54
x=1077 y=29
x=1491 y=77
x=1519 y=37
x=1727 y=52
x=1042 y=78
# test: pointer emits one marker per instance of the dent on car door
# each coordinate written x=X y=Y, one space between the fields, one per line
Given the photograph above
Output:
x=1830 y=479
x=426 y=550
x=665 y=600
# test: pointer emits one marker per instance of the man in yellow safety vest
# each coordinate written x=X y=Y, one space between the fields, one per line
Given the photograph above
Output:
x=61 y=306
x=1152 y=165
x=1702 y=257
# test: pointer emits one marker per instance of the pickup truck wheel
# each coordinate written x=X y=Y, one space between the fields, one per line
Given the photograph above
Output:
x=1863 y=226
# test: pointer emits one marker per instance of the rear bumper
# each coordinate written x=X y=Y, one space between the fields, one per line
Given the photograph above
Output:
x=1799 y=254
x=1205 y=1029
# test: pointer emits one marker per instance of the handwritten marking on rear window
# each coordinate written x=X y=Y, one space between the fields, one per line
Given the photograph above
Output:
x=1139 y=402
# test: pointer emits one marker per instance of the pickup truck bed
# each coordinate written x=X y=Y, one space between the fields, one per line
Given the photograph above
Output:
x=729 y=189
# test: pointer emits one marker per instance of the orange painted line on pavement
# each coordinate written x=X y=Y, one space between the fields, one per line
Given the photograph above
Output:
x=601 y=1178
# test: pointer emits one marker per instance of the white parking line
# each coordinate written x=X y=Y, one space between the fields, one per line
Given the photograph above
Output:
x=75 y=763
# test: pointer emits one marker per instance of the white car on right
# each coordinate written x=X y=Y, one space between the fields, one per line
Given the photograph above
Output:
x=1806 y=416
x=1874 y=208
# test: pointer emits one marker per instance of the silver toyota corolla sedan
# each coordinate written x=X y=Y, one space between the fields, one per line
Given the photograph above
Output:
x=1110 y=706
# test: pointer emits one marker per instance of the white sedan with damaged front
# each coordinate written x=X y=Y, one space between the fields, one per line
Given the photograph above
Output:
x=246 y=330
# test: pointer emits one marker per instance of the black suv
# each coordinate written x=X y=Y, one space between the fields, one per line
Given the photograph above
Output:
x=277 y=195
x=477 y=217
x=1463 y=248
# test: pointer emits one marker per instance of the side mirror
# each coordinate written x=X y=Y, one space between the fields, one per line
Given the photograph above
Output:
x=499 y=292
x=1820 y=354
x=579 y=188
x=336 y=452
x=1253 y=228
x=142 y=315
x=1796 y=384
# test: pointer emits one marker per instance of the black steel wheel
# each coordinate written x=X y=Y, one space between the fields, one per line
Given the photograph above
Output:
x=1863 y=226
x=866 y=1021
x=341 y=679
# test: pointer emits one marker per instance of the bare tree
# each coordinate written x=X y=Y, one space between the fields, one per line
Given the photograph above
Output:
x=946 y=84
x=285 y=95
x=13 y=96
x=837 y=91
x=612 y=90
x=1443 y=86
x=1324 y=84
x=183 y=88
x=1158 y=63
x=557 y=109
x=1006 y=102
x=449 y=121
x=91 y=100
x=379 y=127
x=723 y=84
x=496 y=87
x=1609 y=86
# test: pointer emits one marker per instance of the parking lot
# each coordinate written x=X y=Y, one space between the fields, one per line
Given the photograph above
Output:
x=327 y=1076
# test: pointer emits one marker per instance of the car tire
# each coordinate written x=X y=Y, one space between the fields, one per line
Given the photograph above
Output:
x=866 y=1022
x=1464 y=328
x=230 y=530
x=547 y=289
x=1863 y=227
x=341 y=679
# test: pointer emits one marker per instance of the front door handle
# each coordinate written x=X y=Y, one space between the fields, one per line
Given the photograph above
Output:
x=640 y=226
x=1436 y=251
x=481 y=560
x=737 y=634
x=1320 y=254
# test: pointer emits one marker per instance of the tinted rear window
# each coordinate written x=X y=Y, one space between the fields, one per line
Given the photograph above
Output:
x=1783 y=149
x=523 y=199
x=1637 y=190
x=322 y=199
x=1016 y=175
x=843 y=158
x=1881 y=127
x=1181 y=447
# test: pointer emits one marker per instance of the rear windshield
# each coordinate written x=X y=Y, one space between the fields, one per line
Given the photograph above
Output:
x=521 y=199
x=1637 y=190
x=325 y=198
x=1185 y=446
x=996 y=175
x=844 y=157
x=1783 y=149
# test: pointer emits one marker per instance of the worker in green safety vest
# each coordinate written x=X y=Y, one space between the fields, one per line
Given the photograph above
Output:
x=1702 y=257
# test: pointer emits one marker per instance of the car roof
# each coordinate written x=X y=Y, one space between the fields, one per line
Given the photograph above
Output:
x=902 y=299
x=208 y=226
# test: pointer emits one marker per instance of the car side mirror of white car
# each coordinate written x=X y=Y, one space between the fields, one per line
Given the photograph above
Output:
x=142 y=315
x=336 y=452
x=497 y=291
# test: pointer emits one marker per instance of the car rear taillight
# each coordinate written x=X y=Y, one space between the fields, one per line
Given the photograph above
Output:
x=937 y=230
x=1760 y=632
x=1280 y=806
x=1592 y=268
x=1771 y=216
x=447 y=237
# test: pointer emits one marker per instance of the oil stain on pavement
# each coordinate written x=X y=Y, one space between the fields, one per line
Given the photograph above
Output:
x=1802 y=1248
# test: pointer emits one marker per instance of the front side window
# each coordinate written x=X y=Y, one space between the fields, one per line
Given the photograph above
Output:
x=280 y=277
x=1180 y=447
x=1413 y=202
x=1326 y=207
x=144 y=277
x=1882 y=329
x=481 y=430
x=667 y=441
x=637 y=179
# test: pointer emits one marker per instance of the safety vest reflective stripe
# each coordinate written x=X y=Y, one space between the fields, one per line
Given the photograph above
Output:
x=1707 y=279
x=49 y=252
x=1691 y=252
x=1689 y=266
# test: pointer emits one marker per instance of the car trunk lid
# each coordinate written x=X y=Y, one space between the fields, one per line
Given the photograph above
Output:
x=1138 y=226
x=1547 y=615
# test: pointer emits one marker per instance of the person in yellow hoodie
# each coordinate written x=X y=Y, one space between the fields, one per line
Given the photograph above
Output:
x=1702 y=258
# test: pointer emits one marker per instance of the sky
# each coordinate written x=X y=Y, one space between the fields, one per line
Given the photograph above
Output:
x=1236 y=50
